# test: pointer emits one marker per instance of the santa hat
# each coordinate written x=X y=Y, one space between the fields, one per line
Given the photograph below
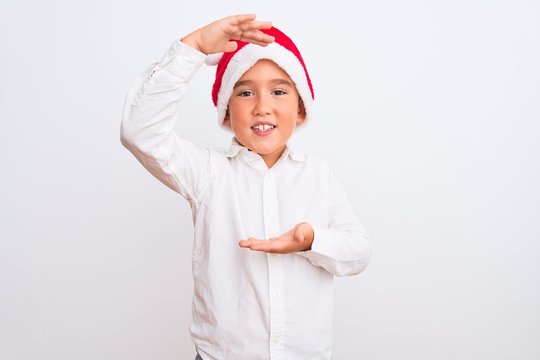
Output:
x=232 y=65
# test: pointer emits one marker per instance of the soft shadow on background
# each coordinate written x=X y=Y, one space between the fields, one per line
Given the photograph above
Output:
x=428 y=111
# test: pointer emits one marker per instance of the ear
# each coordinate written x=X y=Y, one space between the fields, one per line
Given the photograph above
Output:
x=301 y=112
x=227 y=119
x=300 y=119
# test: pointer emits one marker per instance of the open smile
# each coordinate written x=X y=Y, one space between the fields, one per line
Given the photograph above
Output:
x=263 y=129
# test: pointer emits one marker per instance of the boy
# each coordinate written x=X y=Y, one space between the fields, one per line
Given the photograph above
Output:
x=275 y=302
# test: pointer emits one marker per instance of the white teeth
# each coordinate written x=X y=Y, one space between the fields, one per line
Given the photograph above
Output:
x=263 y=127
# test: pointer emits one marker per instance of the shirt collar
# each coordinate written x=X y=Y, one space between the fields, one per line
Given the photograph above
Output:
x=236 y=148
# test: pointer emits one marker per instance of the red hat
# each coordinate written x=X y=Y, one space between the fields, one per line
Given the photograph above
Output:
x=233 y=65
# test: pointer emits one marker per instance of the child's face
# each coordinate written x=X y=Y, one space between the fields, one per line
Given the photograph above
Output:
x=264 y=109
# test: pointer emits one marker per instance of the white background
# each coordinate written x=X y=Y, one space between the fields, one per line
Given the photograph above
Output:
x=429 y=112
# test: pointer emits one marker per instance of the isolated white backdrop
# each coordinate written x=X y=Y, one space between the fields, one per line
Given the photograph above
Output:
x=429 y=112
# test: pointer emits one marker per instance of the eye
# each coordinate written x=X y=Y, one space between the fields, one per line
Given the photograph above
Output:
x=279 y=92
x=245 y=93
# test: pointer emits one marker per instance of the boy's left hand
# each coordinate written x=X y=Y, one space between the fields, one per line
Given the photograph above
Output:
x=298 y=238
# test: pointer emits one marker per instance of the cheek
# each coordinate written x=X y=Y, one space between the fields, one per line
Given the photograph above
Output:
x=238 y=112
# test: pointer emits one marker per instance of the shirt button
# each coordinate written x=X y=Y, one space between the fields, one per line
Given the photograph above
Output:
x=276 y=295
x=275 y=339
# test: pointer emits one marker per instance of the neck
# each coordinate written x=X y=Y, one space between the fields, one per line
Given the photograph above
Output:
x=271 y=159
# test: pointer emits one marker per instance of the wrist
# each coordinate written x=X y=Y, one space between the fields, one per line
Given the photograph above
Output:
x=191 y=41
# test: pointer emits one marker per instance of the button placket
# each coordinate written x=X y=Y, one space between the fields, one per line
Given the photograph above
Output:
x=275 y=267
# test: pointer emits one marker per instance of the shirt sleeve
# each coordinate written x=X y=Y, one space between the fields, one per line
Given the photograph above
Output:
x=343 y=246
x=149 y=116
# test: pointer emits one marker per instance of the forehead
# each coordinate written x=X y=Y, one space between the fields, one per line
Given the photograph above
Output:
x=265 y=69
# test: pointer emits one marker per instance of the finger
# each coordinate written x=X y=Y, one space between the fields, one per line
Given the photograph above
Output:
x=244 y=243
x=270 y=246
x=264 y=246
x=238 y=19
x=257 y=37
x=247 y=243
x=254 y=25
x=265 y=24
x=260 y=43
x=234 y=25
x=248 y=21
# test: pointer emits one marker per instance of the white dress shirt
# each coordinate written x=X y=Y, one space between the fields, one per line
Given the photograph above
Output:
x=247 y=305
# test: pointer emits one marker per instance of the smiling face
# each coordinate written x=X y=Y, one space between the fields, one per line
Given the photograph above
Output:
x=264 y=110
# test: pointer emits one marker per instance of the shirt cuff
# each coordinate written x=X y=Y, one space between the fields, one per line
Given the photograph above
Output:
x=322 y=242
x=323 y=253
x=181 y=60
x=321 y=248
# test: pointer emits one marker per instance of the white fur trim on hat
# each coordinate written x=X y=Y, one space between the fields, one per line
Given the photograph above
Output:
x=213 y=59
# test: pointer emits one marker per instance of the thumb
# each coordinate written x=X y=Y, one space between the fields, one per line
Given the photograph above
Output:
x=299 y=235
x=231 y=46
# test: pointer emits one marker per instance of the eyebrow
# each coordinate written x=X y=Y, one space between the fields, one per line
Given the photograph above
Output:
x=274 y=81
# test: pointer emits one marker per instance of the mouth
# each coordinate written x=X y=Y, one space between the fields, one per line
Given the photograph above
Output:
x=263 y=129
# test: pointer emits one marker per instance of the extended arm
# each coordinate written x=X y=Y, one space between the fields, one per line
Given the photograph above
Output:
x=342 y=247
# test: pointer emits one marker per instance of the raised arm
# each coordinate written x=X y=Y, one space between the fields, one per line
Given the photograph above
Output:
x=150 y=107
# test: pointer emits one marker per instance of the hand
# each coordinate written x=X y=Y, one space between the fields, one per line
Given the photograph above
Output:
x=216 y=37
x=298 y=238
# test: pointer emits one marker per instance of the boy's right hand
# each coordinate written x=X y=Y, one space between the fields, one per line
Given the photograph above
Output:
x=216 y=37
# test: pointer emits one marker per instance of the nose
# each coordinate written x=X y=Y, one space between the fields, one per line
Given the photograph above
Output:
x=262 y=105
